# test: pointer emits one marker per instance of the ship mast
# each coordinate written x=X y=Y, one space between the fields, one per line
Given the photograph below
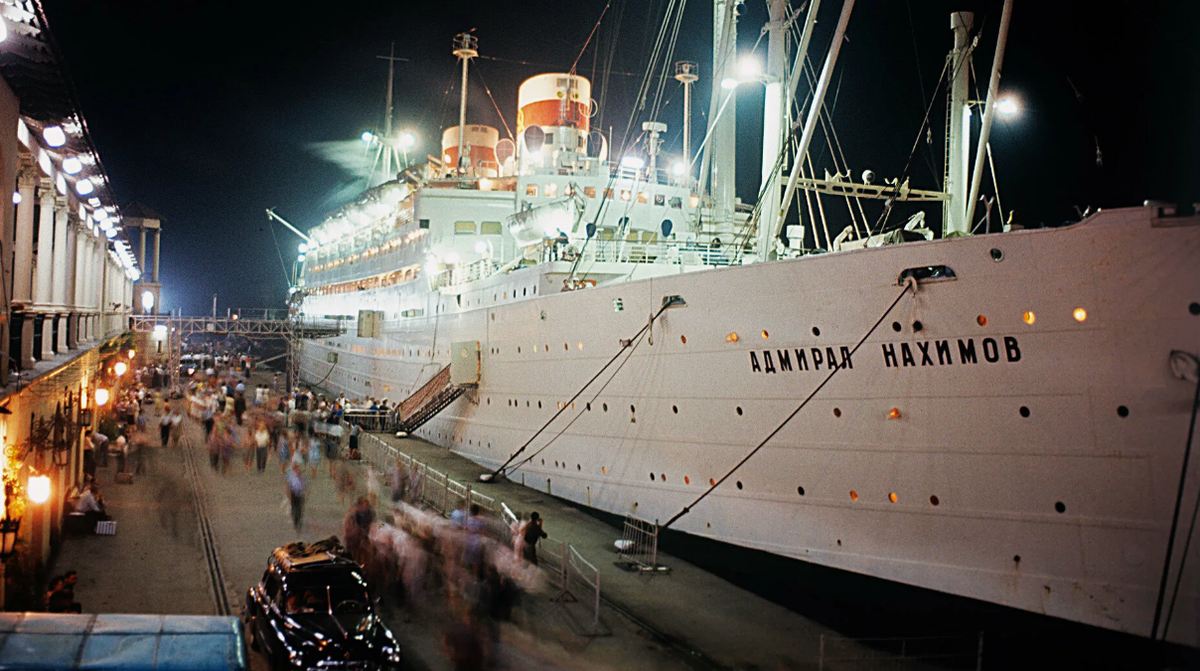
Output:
x=773 y=116
x=465 y=45
x=721 y=158
x=958 y=115
x=685 y=73
x=387 y=119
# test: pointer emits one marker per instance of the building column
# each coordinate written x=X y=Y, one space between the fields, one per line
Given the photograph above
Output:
x=63 y=220
x=23 y=259
x=157 y=249
x=73 y=261
x=142 y=249
x=89 y=289
x=43 y=276
x=23 y=249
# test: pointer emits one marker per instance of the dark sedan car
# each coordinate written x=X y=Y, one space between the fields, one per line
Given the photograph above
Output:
x=312 y=610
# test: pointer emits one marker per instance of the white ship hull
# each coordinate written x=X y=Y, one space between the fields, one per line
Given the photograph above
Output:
x=1034 y=465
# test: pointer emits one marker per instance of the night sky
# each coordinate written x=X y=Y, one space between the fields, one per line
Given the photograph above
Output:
x=211 y=112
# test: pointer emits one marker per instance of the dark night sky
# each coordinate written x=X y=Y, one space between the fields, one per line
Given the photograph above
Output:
x=211 y=112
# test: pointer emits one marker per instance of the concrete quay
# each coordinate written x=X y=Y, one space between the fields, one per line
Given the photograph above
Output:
x=193 y=540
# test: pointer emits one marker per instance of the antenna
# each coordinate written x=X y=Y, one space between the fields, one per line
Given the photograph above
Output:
x=388 y=146
x=465 y=47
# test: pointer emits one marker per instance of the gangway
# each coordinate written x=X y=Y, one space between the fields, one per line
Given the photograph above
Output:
x=262 y=325
x=429 y=400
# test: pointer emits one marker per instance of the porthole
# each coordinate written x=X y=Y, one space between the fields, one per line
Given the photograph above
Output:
x=997 y=255
x=1016 y=559
x=589 y=407
x=687 y=480
x=632 y=409
x=566 y=348
x=732 y=337
x=1029 y=318
x=837 y=412
x=981 y=320
x=853 y=495
x=712 y=482
x=581 y=345
x=816 y=331
x=556 y=464
x=605 y=406
x=1194 y=308
x=547 y=347
x=892 y=497
x=800 y=491
x=662 y=476
x=918 y=327
x=1122 y=411
x=839 y=541
x=539 y=405
x=1060 y=507
x=1024 y=411
x=675 y=409
x=543 y=462
x=526 y=404
x=934 y=500
x=489 y=401
x=518 y=349
x=651 y=477
x=578 y=467
x=604 y=470
x=739 y=410
x=1080 y=315
x=765 y=335
x=683 y=339
x=739 y=484
x=896 y=326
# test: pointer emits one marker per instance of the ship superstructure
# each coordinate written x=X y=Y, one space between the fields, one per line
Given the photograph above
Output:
x=1002 y=417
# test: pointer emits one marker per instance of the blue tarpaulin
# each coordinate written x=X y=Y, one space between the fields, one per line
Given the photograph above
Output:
x=128 y=642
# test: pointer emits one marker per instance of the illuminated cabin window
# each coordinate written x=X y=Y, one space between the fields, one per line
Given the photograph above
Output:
x=464 y=228
x=642 y=197
x=1080 y=314
x=1029 y=318
x=625 y=195
x=550 y=191
x=491 y=228
x=589 y=191
x=531 y=190
x=677 y=203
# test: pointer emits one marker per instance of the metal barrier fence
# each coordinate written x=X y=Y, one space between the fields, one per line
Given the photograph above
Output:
x=574 y=578
x=639 y=545
x=901 y=654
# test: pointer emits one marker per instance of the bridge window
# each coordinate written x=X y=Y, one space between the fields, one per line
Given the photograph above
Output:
x=589 y=191
x=642 y=197
x=677 y=203
x=464 y=228
x=490 y=228
x=531 y=190
x=551 y=191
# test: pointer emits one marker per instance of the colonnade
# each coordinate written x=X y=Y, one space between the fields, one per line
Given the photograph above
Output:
x=68 y=287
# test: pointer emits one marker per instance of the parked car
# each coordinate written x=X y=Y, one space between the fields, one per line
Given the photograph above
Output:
x=313 y=610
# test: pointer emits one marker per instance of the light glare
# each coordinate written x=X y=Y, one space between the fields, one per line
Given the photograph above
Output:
x=84 y=186
x=39 y=488
x=1008 y=106
x=72 y=165
x=729 y=83
x=54 y=136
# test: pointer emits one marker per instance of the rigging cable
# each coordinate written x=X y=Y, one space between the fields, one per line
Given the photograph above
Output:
x=588 y=407
x=910 y=283
x=1183 y=472
x=282 y=265
x=590 y=36
x=625 y=344
x=479 y=73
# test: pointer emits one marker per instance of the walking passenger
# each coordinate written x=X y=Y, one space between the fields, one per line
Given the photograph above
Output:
x=295 y=491
x=531 y=534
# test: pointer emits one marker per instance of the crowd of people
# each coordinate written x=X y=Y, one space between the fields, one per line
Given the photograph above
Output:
x=472 y=562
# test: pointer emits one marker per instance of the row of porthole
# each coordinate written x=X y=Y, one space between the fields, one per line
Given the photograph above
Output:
x=894 y=413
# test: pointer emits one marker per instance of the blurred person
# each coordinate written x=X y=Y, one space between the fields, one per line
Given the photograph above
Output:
x=296 y=487
x=531 y=534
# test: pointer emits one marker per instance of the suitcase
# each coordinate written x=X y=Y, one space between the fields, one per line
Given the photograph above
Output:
x=106 y=528
x=124 y=478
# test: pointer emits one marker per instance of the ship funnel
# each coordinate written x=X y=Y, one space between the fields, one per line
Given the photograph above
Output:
x=479 y=143
x=560 y=105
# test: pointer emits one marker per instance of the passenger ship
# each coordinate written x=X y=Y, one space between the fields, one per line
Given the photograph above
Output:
x=1005 y=417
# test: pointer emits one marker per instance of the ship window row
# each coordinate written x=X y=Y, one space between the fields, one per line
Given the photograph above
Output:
x=486 y=228
x=550 y=190
x=406 y=274
x=383 y=248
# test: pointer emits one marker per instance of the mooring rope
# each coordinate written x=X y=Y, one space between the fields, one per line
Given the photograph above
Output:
x=909 y=284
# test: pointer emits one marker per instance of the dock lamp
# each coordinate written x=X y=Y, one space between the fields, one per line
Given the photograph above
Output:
x=119 y=368
x=39 y=489
x=101 y=397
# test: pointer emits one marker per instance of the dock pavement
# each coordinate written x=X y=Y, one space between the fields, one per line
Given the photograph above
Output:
x=191 y=540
